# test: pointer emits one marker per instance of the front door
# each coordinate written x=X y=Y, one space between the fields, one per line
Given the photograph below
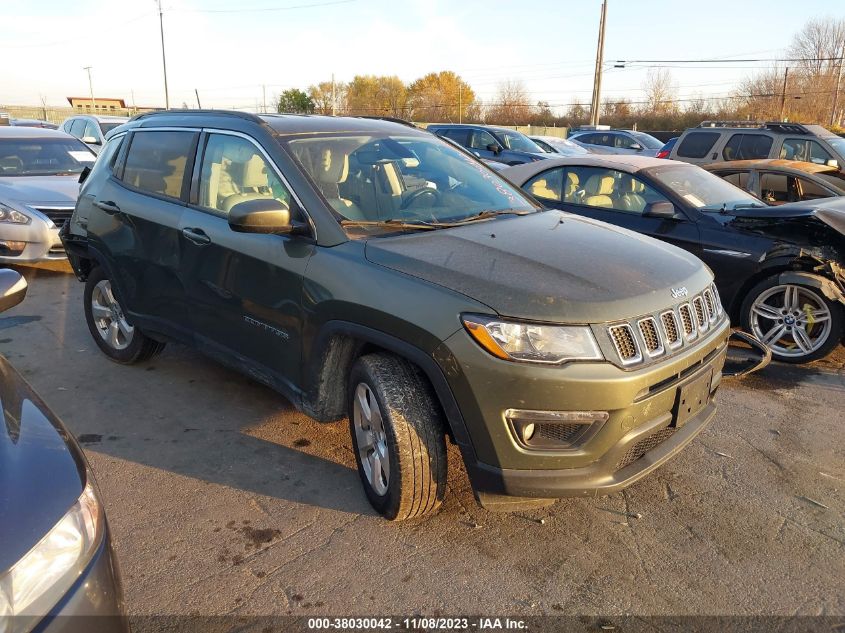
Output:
x=245 y=288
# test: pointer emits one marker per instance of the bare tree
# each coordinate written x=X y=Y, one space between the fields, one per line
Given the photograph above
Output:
x=511 y=104
x=659 y=92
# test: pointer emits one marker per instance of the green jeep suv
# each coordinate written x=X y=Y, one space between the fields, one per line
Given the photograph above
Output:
x=367 y=269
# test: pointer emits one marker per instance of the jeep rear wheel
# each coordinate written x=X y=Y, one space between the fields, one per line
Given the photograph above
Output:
x=114 y=335
x=796 y=321
x=397 y=436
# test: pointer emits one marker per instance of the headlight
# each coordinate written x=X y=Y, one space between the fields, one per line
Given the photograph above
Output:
x=533 y=342
x=39 y=580
x=9 y=215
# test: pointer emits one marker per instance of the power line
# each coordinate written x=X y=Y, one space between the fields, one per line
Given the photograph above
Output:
x=728 y=61
x=267 y=9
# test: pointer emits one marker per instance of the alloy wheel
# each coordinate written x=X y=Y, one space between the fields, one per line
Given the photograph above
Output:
x=371 y=438
x=792 y=320
x=109 y=318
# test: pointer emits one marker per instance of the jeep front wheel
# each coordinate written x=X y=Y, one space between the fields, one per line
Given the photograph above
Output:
x=397 y=436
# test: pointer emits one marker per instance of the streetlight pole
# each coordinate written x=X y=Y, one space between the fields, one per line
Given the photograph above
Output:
x=594 y=108
x=163 y=59
x=91 y=88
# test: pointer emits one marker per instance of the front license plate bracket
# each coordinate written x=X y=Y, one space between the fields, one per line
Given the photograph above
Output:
x=692 y=398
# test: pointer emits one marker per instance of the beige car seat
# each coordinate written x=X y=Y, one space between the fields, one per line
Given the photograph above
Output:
x=598 y=191
x=330 y=169
x=254 y=183
x=541 y=189
x=570 y=194
x=631 y=200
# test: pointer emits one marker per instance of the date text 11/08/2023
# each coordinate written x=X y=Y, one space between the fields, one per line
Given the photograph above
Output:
x=418 y=623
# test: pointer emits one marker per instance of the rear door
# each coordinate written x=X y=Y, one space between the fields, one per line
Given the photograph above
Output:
x=134 y=221
x=244 y=288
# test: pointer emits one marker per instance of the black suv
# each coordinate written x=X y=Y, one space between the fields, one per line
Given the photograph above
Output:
x=498 y=144
x=369 y=269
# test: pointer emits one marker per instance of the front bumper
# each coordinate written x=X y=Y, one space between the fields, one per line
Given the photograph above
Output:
x=642 y=430
x=41 y=242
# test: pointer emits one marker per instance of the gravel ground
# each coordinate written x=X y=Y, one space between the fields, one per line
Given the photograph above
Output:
x=224 y=500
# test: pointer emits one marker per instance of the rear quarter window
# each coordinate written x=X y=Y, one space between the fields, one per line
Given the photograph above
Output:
x=697 y=144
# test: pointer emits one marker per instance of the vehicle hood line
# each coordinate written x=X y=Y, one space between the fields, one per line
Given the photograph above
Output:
x=549 y=266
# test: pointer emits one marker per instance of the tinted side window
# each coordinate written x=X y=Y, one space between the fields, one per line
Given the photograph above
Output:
x=66 y=125
x=480 y=139
x=747 y=147
x=623 y=141
x=156 y=161
x=459 y=136
x=737 y=178
x=811 y=191
x=804 y=149
x=589 y=139
x=77 y=127
x=697 y=144
x=92 y=130
x=609 y=189
x=233 y=171
x=547 y=185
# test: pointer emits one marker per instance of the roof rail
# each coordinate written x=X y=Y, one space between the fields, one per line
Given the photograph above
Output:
x=758 y=124
x=235 y=113
x=392 y=119
x=774 y=126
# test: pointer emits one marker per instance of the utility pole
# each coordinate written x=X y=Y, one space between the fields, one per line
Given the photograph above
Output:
x=833 y=120
x=783 y=93
x=334 y=109
x=594 y=108
x=163 y=59
x=197 y=92
x=263 y=98
x=91 y=88
x=460 y=103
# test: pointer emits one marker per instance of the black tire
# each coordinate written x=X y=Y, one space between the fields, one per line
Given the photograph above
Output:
x=139 y=348
x=832 y=338
x=413 y=436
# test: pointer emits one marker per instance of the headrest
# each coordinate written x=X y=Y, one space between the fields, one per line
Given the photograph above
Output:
x=255 y=173
x=599 y=185
x=539 y=186
x=331 y=166
x=630 y=185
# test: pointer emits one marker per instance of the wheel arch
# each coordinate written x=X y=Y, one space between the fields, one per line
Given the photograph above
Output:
x=339 y=344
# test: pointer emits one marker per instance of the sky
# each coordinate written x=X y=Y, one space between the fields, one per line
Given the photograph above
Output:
x=228 y=49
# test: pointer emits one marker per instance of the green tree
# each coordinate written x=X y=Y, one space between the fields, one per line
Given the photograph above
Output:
x=295 y=101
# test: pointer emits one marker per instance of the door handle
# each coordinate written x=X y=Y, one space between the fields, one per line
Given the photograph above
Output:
x=108 y=206
x=197 y=236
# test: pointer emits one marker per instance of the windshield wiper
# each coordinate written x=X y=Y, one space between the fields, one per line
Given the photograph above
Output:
x=487 y=214
x=392 y=223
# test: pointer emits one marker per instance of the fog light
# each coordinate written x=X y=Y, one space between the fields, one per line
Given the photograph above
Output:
x=549 y=430
x=7 y=247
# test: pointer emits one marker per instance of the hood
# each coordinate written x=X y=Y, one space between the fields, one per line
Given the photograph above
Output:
x=831 y=211
x=36 y=190
x=42 y=471
x=547 y=266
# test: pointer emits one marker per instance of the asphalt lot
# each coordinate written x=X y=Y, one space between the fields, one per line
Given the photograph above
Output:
x=222 y=499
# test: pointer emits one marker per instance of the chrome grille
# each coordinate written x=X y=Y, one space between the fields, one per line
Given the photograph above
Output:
x=686 y=321
x=651 y=337
x=625 y=343
x=57 y=214
x=670 y=328
x=700 y=314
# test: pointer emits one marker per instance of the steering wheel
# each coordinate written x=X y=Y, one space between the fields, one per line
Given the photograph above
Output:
x=419 y=193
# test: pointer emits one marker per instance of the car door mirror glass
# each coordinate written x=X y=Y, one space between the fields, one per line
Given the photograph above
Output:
x=664 y=210
x=637 y=147
x=12 y=289
x=261 y=215
x=91 y=140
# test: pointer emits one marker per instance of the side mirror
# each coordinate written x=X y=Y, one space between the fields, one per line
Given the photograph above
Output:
x=12 y=288
x=636 y=147
x=262 y=215
x=832 y=162
x=495 y=148
x=90 y=140
x=663 y=210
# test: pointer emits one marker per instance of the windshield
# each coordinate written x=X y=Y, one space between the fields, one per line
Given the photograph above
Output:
x=647 y=140
x=412 y=179
x=108 y=127
x=837 y=143
x=43 y=156
x=518 y=141
x=703 y=190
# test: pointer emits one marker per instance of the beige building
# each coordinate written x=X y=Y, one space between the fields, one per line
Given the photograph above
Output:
x=100 y=105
